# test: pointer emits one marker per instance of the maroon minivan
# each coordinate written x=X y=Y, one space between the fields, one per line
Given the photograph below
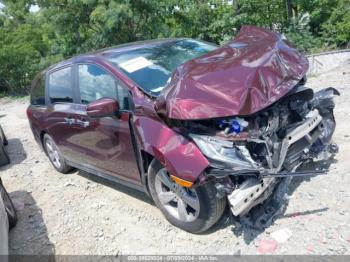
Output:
x=194 y=125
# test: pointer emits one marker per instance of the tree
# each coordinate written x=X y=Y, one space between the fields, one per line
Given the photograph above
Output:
x=21 y=47
x=29 y=42
x=336 y=30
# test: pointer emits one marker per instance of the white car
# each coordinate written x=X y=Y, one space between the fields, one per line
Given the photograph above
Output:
x=4 y=158
x=4 y=227
x=8 y=218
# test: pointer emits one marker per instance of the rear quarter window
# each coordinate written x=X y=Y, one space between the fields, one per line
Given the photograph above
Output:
x=60 y=86
x=37 y=96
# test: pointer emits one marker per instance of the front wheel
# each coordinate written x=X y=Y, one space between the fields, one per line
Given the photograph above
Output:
x=192 y=209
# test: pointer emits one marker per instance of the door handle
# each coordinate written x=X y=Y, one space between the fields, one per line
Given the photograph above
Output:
x=83 y=123
x=69 y=121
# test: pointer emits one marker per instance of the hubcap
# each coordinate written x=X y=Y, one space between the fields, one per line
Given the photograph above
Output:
x=52 y=151
x=180 y=202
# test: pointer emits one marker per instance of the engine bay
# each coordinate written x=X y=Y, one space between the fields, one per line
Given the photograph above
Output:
x=249 y=156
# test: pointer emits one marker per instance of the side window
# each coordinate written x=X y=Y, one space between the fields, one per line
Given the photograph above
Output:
x=37 y=96
x=60 y=86
x=95 y=83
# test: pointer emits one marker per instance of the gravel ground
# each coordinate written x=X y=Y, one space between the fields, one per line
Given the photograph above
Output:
x=80 y=214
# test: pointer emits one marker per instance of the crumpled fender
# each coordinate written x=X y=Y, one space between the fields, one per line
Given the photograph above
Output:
x=180 y=156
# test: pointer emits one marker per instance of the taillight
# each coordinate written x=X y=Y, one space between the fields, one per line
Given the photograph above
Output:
x=29 y=112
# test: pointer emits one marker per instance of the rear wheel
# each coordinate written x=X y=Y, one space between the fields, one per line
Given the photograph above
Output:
x=192 y=209
x=55 y=156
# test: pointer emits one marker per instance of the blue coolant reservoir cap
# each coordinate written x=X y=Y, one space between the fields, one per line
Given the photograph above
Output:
x=235 y=127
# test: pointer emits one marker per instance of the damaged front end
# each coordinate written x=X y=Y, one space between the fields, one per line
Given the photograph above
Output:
x=250 y=156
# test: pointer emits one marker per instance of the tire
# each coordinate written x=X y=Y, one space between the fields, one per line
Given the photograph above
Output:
x=9 y=207
x=4 y=157
x=196 y=220
x=55 y=156
x=4 y=139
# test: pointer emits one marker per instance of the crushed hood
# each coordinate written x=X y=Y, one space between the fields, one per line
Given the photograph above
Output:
x=242 y=77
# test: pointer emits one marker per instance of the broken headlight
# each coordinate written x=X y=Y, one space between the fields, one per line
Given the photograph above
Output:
x=220 y=150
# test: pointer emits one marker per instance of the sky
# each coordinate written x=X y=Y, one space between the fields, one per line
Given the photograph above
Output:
x=33 y=8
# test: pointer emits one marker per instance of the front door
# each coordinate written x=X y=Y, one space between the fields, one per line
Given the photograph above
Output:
x=103 y=143
x=60 y=111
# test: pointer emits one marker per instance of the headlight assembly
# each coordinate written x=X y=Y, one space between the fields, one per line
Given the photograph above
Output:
x=224 y=151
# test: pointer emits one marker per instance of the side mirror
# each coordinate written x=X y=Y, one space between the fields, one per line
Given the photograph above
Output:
x=102 y=107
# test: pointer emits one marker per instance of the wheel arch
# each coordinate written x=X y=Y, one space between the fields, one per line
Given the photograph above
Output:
x=42 y=134
x=146 y=161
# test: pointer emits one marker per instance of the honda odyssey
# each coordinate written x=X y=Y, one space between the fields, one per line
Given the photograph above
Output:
x=194 y=125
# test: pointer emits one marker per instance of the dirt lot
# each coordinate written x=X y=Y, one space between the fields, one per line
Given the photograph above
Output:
x=79 y=214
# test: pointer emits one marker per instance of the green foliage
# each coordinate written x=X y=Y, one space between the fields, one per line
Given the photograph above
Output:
x=21 y=48
x=337 y=27
x=30 y=41
x=304 y=40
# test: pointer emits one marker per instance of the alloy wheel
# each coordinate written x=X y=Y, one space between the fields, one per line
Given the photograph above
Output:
x=180 y=202
x=52 y=151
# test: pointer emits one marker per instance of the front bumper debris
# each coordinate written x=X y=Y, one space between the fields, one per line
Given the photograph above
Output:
x=250 y=191
x=305 y=150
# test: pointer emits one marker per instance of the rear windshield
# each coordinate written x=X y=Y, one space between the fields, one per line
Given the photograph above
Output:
x=151 y=67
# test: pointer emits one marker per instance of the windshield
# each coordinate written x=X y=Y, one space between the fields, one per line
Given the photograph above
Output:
x=151 y=67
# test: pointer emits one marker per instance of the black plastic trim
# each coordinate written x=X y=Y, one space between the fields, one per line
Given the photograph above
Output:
x=106 y=176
